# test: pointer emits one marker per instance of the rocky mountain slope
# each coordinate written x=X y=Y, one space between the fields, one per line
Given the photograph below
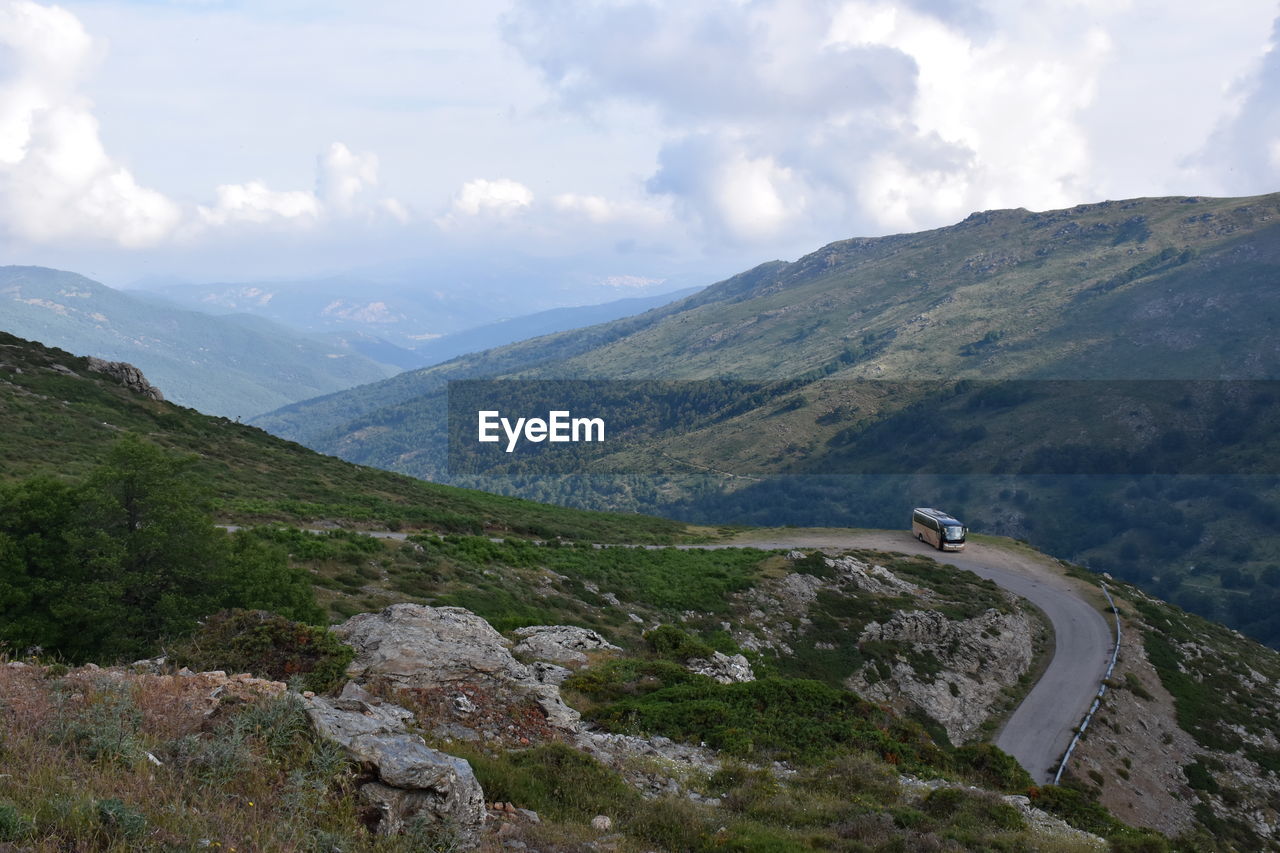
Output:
x=233 y=365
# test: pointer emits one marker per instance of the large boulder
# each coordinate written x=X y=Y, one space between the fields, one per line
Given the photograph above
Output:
x=409 y=780
x=415 y=646
x=561 y=643
x=127 y=375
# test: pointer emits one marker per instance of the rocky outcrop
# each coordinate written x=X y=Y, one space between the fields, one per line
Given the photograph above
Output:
x=561 y=643
x=726 y=669
x=415 y=646
x=127 y=375
x=408 y=780
x=869 y=578
x=953 y=670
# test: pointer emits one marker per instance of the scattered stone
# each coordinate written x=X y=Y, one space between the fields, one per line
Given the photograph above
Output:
x=410 y=778
x=725 y=669
x=561 y=643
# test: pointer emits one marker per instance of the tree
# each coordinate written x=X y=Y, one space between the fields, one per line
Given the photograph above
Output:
x=112 y=568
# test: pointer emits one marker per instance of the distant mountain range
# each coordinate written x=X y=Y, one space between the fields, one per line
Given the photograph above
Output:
x=412 y=323
x=1181 y=288
x=505 y=332
x=235 y=365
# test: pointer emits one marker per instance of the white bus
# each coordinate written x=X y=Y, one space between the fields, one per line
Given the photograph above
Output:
x=938 y=529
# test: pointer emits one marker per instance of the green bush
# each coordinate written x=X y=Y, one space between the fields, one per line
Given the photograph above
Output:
x=790 y=719
x=554 y=780
x=668 y=641
x=268 y=646
x=987 y=765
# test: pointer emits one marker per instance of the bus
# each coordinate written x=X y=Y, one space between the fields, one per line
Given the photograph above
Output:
x=938 y=529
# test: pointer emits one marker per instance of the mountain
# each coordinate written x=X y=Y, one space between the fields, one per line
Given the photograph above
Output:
x=536 y=325
x=419 y=309
x=61 y=417
x=234 y=365
x=700 y=698
x=1179 y=290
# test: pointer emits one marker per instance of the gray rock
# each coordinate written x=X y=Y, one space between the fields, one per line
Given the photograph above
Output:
x=561 y=643
x=411 y=779
x=412 y=645
x=978 y=657
x=127 y=375
x=723 y=668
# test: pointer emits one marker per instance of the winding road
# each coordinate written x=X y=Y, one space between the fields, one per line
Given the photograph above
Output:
x=1038 y=731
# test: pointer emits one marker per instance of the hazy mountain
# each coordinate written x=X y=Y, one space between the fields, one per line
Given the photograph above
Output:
x=236 y=365
x=412 y=310
x=536 y=325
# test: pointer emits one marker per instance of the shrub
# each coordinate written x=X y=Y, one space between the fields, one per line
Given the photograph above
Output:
x=668 y=641
x=989 y=766
x=269 y=646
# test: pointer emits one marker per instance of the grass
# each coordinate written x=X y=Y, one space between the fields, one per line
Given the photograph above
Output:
x=98 y=764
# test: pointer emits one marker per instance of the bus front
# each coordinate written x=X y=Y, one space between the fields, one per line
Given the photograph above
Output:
x=953 y=533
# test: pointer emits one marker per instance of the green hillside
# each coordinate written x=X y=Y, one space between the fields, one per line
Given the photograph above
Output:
x=62 y=418
x=232 y=365
x=1167 y=288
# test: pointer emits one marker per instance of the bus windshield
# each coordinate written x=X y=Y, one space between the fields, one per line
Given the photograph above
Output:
x=953 y=533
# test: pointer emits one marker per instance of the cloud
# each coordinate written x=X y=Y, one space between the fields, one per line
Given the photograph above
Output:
x=345 y=185
x=56 y=179
x=1244 y=151
x=603 y=211
x=255 y=203
x=731 y=191
x=500 y=198
x=343 y=177
x=786 y=118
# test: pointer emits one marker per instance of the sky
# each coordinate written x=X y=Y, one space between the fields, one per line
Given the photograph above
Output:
x=623 y=145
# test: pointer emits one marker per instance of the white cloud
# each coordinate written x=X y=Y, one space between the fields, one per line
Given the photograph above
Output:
x=603 y=211
x=343 y=176
x=56 y=179
x=345 y=184
x=502 y=198
x=255 y=203
x=1244 y=151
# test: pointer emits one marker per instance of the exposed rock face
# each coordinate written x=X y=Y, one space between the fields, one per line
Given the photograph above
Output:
x=870 y=578
x=975 y=658
x=415 y=646
x=411 y=780
x=561 y=643
x=723 y=668
x=127 y=375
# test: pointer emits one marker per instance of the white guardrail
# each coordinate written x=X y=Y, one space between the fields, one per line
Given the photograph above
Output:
x=1102 y=689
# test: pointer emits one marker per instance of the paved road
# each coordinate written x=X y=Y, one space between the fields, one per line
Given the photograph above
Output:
x=1037 y=733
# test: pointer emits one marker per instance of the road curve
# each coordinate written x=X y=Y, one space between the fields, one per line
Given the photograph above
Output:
x=1038 y=731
